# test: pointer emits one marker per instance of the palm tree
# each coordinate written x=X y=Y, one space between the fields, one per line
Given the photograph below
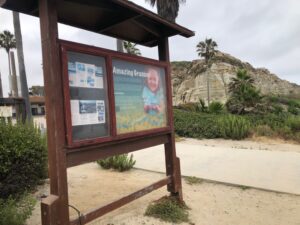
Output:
x=8 y=42
x=131 y=48
x=241 y=83
x=207 y=49
x=168 y=9
x=23 y=79
x=243 y=93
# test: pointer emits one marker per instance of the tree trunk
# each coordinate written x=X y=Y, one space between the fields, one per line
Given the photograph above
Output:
x=1 y=90
x=208 y=82
x=23 y=79
x=208 y=91
x=14 y=80
x=120 y=45
x=9 y=63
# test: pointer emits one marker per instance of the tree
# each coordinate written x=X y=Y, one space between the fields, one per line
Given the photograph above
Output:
x=244 y=97
x=37 y=90
x=8 y=42
x=168 y=9
x=131 y=48
x=22 y=71
x=207 y=49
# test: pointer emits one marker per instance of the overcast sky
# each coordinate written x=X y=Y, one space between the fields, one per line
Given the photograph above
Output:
x=265 y=33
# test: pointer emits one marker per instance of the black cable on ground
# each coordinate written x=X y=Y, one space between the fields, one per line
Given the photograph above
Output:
x=79 y=213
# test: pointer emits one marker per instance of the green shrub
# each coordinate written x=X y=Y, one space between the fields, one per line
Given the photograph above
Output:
x=277 y=109
x=168 y=209
x=293 y=102
x=264 y=130
x=216 y=107
x=234 y=127
x=294 y=123
x=284 y=132
x=23 y=158
x=293 y=110
x=118 y=162
x=193 y=180
x=191 y=107
x=274 y=121
x=16 y=212
x=196 y=125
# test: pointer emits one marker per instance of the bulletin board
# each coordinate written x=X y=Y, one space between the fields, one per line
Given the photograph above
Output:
x=110 y=95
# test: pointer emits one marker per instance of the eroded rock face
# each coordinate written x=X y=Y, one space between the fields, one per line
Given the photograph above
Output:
x=189 y=79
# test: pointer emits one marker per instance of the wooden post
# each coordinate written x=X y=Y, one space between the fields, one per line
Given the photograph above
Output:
x=172 y=162
x=48 y=207
x=55 y=112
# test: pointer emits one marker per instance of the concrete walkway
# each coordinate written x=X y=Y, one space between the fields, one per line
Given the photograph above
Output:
x=270 y=170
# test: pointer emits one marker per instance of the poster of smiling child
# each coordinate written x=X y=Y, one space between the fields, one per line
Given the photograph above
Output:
x=152 y=93
x=140 y=96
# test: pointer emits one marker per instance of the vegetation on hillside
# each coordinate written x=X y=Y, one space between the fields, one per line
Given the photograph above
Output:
x=246 y=113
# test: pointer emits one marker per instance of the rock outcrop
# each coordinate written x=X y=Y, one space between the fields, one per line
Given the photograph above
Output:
x=189 y=79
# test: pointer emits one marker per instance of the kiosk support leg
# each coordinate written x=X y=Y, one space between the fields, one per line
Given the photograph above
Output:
x=172 y=161
x=54 y=213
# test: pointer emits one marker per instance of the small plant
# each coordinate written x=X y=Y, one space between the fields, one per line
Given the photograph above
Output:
x=118 y=162
x=16 y=212
x=234 y=127
x=168 y=209
x=216 y=107
x=193 y=180
x=201 y=106
x=244 y=188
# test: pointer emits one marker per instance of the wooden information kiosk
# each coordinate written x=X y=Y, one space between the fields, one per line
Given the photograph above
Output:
x=100 y=102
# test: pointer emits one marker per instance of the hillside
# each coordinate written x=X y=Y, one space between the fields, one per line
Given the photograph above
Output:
x=190 y=79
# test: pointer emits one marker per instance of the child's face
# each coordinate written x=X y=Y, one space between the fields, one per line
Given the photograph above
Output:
x=153 y=80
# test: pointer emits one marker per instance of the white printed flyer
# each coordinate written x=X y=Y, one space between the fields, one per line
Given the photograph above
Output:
x=87 y=112
x=85 y=75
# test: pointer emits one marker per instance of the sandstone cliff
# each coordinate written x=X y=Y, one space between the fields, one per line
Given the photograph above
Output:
x=190 y=79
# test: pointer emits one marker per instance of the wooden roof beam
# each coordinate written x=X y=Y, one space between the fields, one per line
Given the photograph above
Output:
x=148 y=27
x=117 y=22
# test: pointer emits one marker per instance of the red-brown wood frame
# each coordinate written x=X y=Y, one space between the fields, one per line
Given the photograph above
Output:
x=61 y=155
x=108 y=55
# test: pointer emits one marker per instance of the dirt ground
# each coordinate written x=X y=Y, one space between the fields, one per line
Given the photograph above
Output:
x=258 y=143
x=210 y=203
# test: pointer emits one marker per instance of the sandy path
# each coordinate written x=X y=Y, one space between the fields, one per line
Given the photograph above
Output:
x=257 y=143
x=210 y=203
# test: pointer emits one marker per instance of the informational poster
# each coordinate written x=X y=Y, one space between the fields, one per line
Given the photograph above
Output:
x=140 y=96
x=85 y=75
x=6 y=111
x=85 y=112
x=88 y=96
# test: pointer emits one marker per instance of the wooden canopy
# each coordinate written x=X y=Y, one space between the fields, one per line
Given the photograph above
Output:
x=116 y=18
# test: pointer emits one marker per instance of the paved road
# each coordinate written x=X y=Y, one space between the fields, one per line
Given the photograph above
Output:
x=271 y=170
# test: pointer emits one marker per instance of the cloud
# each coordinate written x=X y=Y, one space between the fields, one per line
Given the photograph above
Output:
x=264 y=33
